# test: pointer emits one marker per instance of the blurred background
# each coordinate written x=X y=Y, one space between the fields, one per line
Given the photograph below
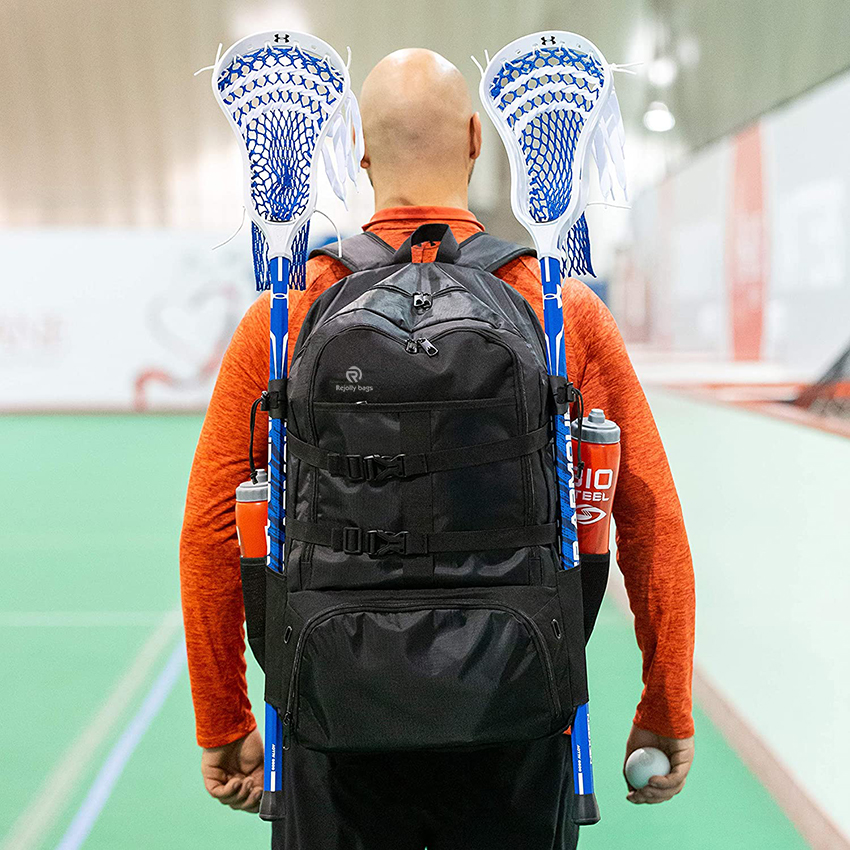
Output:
x=729 y=277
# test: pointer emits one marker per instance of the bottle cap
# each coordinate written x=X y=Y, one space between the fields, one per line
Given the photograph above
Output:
x=248 y=491
x=596 y=428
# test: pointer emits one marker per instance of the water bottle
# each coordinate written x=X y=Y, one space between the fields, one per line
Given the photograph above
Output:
x=252 y=516
x=595 y=487
x=600 y=452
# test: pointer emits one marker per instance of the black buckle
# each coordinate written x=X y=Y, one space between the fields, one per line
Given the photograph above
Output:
x=381 y=467
x=380 y=543
x=369 y=468
x=563 y=393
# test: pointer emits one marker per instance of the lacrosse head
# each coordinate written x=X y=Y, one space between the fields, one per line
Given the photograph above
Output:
x=287 y=96
x=551 y=98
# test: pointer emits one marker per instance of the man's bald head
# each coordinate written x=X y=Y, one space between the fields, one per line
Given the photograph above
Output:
x=418 y=123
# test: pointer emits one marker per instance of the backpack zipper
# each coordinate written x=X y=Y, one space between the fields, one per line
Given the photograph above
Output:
x=423 y=344
x=290 y=718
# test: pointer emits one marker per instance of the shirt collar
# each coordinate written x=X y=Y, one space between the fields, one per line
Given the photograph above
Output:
x=413 y=216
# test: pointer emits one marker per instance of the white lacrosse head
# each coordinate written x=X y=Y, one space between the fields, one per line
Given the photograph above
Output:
x=551 y=98
x=287 y=96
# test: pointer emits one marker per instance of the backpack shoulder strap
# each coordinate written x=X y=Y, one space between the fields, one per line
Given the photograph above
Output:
x=486 y=252
x=359 y=252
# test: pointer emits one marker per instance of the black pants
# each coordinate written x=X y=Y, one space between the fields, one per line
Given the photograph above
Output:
x=505 y=798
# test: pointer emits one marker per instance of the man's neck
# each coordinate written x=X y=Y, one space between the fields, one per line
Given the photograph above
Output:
x=407 y=197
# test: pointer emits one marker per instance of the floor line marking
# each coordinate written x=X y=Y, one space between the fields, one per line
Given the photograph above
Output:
x=84 y=619
x=120 y=754
x=47 y=805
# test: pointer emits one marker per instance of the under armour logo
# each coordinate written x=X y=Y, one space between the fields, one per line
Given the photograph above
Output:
x=354 y=374
x=284 y=37
x=547 y=39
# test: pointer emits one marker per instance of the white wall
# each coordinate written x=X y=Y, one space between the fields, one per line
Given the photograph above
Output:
x=688 y=233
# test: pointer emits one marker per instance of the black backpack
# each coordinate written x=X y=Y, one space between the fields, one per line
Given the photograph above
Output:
x=423 y=605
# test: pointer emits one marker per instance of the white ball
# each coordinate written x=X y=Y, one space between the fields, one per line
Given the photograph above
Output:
x=644 y=763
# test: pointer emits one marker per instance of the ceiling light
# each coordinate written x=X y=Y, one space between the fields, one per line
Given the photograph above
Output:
x=658 y=118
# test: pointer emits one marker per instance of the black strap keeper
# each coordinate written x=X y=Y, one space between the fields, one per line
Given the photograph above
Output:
x=562 y=392
x=275 y=399
x=352 y=540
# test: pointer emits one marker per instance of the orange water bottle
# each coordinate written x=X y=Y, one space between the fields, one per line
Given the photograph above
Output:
x=252 y=516
x=596 y=483
x=600 y=453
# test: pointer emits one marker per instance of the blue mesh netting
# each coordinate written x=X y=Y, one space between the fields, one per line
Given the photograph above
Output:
x=548 y=142
x=545 y=96
x=577 y=256
x=280 y=98
x=297 y=271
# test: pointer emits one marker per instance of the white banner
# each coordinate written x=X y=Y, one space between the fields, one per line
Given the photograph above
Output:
x=116 y=320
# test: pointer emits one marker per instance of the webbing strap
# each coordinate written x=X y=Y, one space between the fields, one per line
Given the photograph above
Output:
x=417 y=498
x=483 y=251
x=359 y=252
x=359 y=541
x=368 y=251
x=380 y=467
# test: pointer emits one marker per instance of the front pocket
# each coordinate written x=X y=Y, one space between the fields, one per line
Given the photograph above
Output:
x=421 y=675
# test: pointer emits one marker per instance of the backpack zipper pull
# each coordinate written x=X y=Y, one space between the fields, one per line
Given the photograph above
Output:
x=428 y=347
x=421 y=301
x=287 y=730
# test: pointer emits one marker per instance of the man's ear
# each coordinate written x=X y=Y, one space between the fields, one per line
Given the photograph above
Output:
x=475 y=136
x=365 y=162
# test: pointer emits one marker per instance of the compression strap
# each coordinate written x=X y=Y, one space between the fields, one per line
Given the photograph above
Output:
x=377 y=467
x=353 y=540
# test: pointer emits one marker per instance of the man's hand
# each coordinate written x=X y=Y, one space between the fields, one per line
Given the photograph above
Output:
x=680 y=751
x=233 y=774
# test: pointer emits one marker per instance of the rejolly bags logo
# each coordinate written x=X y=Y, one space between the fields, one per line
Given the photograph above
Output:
x=354 y=382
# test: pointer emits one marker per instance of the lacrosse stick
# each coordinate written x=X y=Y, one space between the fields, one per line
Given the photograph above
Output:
x=287 y=96
x=551 y=99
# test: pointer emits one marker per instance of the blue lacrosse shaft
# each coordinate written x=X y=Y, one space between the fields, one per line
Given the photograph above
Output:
x=585 y=808
x=271 y=807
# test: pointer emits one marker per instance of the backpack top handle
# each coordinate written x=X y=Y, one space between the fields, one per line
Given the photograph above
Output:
x=448 y=252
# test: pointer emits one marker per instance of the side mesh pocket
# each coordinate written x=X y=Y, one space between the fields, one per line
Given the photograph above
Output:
x=254 y=596
x=594 y=580
x=572 y=626
x=278 y=642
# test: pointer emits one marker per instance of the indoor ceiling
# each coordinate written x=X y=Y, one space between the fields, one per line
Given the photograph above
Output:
x=105 y=124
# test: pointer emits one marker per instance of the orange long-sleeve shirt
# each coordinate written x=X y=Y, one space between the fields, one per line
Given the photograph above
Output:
x=653 y=551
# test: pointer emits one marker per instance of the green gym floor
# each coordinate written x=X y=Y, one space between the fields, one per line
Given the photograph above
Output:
x=98 y=746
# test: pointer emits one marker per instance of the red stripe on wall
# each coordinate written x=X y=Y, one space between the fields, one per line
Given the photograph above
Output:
x=746 y=247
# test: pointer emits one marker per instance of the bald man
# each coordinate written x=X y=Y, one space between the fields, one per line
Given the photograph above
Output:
x=422 y=139
x=422 y=136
